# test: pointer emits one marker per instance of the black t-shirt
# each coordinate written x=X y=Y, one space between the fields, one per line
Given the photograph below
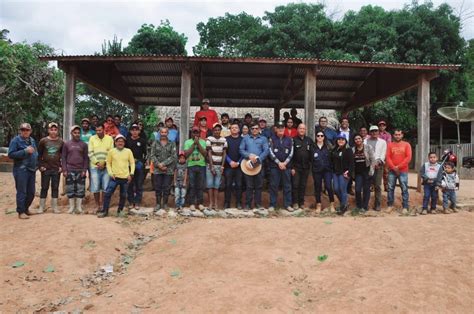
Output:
x=138 y=147
x=359 y=162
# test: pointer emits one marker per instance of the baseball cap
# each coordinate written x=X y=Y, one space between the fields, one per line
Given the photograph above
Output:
x=217 y=125
x=280 y=124
x=25 y=125
x=341 y=135
x=262 y=119
x=74 y=127
x=134 y=126
x=181 y=153
x=195 y=128
x=120 y=136
x=373 y=128
x=85 y=119
x=382 y=122
x=52 y=124
x=206 y=100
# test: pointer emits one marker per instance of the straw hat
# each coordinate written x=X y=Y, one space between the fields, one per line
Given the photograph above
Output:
x=249 y=168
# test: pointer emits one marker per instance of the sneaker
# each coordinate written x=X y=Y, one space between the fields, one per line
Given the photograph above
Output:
x=389 y=210
x=454 y=210
x=201 y=207
x=413 y=212
x=446 y=211
x=404 y=211
x=296 y=206
x=290 y=209
x=101 y=214
x=239 y=206
x=271 y=209
x=424 y=211
x=157 y=207
x=23 y=216
x=192 y=208
x=432 y=211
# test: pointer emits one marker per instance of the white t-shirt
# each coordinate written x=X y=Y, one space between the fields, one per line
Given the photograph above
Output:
x=217 y=147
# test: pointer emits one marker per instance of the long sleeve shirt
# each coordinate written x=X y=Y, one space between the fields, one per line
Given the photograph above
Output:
x=281 y=150
x=74 y=156
x=302 y=154
x=233 y=146
x=257 y=145
x=98 y=149
x=380 y=148
x=120 y=163
x=49 y=153
x=211 y=117
x=399 y=154
x=17 y=152
x=164 y=154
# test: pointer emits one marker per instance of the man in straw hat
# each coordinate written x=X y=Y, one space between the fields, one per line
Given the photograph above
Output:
x=49 y=158
x=74 y=163
x=24 y=153
x=254 y=148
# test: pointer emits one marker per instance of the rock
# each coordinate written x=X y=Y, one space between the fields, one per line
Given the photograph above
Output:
x=142 y=211
x=209 y=212
x=185 y=212
x=261 y=212
x=295 y=213
x=221 y=214
x=197 y=213
x=172 y=214
x=161 y=213
x=236 y=213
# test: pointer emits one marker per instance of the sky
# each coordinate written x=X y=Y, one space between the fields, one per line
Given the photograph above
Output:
x=80 y=26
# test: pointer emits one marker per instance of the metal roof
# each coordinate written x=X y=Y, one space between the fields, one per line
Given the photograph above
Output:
x=245 y=81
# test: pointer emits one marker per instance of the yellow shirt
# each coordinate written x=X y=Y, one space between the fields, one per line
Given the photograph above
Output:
x=98 y=149
x=120 y=163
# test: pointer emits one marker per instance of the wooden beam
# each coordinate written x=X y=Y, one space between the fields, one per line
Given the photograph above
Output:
x=310 y=99
x=69 y=99
x=185 y=102
x=423 y=127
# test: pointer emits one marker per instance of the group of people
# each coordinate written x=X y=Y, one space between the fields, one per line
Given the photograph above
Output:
x=221 y=154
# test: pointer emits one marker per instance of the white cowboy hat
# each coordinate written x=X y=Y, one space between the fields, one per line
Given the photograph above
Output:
x=250 y=168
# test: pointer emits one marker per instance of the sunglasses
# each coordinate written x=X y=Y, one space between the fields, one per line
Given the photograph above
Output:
x=319 y=135
x=254 y=128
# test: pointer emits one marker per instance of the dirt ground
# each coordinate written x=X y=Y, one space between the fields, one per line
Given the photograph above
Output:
x=307 y=264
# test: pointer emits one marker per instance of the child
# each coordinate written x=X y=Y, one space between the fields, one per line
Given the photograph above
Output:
x=120 y=167
x=180 y=181
x=429 y=174
x=449 y=184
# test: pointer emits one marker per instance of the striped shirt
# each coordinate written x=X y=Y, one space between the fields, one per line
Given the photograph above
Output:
x=217 y=147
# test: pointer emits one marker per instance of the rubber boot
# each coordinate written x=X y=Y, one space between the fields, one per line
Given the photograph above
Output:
x=72 y=205
x=42 y=206
x=158 y=203
x=165 y=202
x=54 y=205
x=79 y=205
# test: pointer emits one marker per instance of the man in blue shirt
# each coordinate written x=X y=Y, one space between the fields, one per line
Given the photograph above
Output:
x=24 y=152
x=254 y=147
x=118 y=122
x=281 y=152
x=173 y=134
x=232 y=171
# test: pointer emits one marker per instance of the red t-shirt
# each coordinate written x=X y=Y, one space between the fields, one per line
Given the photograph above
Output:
x=291 y=132
x=398 y=154
x=210 y=115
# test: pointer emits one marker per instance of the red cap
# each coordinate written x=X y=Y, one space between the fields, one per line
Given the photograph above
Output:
x=181 y=153
x=382 y=122
x=195 y=128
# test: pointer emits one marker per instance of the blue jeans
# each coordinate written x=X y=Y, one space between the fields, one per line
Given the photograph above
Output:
x=278 y=177
x=213 y=181
x=340 y=187
x=135 y=188
x=179 y=196
x=362 y=190
x=318 y=178
x=197 y=178
x=233 y=181
x=254 y=189
x=449 y=195
x=123 y=184
x=25 y=188
x=392 y=180
x=99 y=180
x=430 y=191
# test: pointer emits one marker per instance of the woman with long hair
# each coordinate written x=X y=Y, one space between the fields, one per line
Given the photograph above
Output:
x=322 y=170
x=290 y=129
x=364 y=161
x=342 y=165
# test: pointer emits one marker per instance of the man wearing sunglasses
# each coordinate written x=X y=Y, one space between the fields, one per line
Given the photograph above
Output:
x=255 y=148
x=24 y=153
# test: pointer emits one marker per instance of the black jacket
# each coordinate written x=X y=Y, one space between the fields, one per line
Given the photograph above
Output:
x=302 y=153
x=342 y=160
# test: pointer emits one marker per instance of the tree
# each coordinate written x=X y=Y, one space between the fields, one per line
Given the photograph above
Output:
x=162 y=39
x=470 y=73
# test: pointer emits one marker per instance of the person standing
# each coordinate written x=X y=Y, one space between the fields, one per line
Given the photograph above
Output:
x=281 y=152
x=290 y=129
x=173 y=134
x=120 y=167
x=255 y=148
x=225 y=125
x=195 y=151
x=264 y=130
x=122 y=128
x=300 y=165
x=23 y=151
x=343 y=163
x=164 y=157
x=297 y=121
x=380 y=150
x=322 y=170
x=216 y=146
x=429 y=173
x=49 y=158
x=329 y=133
x=138 y=147
x=110 y=128
x=345 y=130
x=398 y=157
x=232 y=171
x=94 y=122
x=388 y=138
x=99 y=146
x=449 y=185
x=204 y=131
x=86 y=131
x=209 y=114
x=180 y=181
x=74 y=164
x=364 y=162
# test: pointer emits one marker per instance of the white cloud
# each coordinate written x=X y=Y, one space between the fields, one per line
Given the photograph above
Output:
x=80 y=27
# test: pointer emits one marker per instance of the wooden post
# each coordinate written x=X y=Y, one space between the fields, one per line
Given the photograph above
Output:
x=185 y=105
x=423 y=116
x=69 y=98
x=309 y=100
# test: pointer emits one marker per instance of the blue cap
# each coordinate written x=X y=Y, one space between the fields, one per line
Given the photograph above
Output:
x=340 y=135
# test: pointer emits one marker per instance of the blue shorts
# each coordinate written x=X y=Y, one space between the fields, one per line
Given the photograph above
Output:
x=213 y=182
x=99 y=180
